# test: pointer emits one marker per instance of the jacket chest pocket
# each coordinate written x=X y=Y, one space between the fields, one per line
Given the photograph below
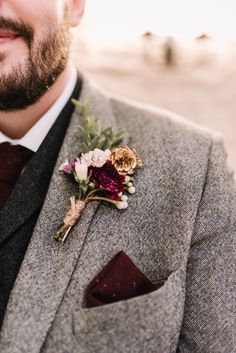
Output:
x=147 y=323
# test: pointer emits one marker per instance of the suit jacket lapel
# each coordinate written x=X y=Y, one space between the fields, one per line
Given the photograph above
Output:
x=29 y=193
x=48 y=266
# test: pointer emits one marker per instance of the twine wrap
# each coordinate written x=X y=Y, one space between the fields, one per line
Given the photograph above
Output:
x=72 y=216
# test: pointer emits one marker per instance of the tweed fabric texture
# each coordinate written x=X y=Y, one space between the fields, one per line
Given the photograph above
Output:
x=179 y=230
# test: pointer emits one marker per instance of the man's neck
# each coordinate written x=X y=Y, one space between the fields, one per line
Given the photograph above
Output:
x=16 y=124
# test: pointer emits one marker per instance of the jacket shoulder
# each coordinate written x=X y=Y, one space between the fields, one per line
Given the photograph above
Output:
x=145 y=119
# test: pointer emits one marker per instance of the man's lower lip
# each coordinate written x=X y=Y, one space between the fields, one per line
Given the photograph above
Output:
x=7 y=39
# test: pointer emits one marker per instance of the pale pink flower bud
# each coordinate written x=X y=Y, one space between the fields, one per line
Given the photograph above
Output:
x=81 y=169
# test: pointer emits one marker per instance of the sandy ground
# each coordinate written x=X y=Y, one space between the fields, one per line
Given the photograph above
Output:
x=205 y=94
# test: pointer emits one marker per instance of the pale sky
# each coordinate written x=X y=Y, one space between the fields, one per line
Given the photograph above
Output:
x=112 y=20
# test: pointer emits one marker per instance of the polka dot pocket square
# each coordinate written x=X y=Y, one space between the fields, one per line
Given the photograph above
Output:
x=120 y=279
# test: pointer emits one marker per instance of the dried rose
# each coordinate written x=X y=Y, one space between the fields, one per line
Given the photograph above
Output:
x=125 y=159
x=107 y=178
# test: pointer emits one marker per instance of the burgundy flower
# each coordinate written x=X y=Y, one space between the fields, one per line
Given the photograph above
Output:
x=108 y=179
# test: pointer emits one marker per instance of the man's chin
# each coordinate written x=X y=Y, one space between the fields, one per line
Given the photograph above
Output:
x=8 y=105
x=19 y=97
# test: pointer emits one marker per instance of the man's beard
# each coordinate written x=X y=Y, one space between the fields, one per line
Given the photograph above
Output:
x=47 y=59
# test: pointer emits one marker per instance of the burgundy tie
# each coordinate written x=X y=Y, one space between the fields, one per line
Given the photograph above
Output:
x=13 y=158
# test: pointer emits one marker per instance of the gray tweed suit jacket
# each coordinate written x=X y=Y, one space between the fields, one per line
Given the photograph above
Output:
x=179 y=229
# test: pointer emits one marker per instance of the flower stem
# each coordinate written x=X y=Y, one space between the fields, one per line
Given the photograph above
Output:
x=98 y=198
x=92 y=192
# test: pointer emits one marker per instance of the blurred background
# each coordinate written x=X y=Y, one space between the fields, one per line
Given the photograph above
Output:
x=175 y=54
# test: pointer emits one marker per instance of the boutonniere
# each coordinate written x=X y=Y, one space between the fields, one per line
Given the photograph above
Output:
x=103 y=171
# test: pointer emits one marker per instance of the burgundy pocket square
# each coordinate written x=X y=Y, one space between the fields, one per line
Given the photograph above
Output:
x=120 y=279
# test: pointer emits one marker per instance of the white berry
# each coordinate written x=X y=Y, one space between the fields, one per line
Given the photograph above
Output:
x=124 y=198
x=131 y=190
x=125 y=204
x=122 y=205
x=127 y=179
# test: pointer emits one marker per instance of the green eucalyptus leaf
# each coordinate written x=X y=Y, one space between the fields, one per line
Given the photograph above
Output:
x=119 y=134
x=77 y=104
x=106 y=130
x=116 y=143
x=94 y=143
x=85 y=148
x=85 y=137
x=91 y=132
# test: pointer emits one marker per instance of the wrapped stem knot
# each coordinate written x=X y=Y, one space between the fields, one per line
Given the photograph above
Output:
x=72 y=215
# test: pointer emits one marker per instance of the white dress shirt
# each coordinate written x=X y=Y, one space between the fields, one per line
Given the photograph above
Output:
x=35 y=136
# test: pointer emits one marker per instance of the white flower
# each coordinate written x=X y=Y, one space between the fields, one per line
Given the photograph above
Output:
x=131 y=190
x=81 y=169
x=97 y=157
x=130 y=184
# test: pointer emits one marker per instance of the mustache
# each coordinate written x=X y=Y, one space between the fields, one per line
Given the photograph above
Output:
x=20 y=28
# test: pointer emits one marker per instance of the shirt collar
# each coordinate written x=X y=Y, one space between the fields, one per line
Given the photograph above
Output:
x=35 y=136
